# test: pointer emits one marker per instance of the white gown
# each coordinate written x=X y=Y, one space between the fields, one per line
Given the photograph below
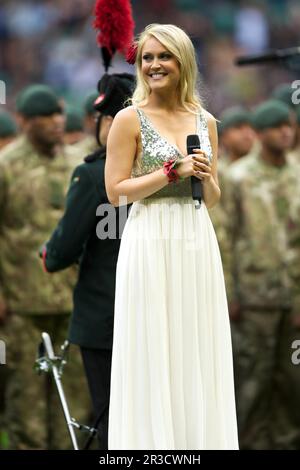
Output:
x=172 y=375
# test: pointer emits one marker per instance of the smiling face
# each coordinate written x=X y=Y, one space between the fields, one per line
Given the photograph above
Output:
x=159 y=67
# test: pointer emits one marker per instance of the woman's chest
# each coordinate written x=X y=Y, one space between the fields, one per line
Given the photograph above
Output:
x=175 y=130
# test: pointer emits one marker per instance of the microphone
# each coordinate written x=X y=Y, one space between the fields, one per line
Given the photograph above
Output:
x=192 y=143
x=271 y=56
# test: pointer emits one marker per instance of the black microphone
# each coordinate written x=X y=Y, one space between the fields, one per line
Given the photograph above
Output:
x=193 y=143
x=273 y=55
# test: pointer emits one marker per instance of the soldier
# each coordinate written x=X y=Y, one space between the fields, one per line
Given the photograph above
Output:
x=8 y=129
x=89 y=144
x=34 y=174
x=284 y=93
x=75 y=237
x=236 y=140
x=74 y=132
x=263 y=189
x=294 y=264
x=236 y=134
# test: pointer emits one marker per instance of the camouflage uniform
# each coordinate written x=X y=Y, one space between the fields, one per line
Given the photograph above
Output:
x=260 y=205
x=294 y=274
x=219 y=219
x=32 y=200
x=294 y=256
x=294 y=155
x=231 y=120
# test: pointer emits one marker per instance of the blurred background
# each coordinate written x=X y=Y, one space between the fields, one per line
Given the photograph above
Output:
x=52 y=41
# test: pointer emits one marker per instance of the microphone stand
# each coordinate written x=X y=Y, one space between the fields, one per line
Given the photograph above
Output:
x=290 y=57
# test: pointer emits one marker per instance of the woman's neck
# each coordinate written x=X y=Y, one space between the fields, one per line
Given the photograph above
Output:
x=168 y=102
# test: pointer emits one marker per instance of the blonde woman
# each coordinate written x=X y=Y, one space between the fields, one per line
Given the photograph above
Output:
x=172 y=378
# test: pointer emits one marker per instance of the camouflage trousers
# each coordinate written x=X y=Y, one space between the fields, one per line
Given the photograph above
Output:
x=267 y=382
x=33 y=417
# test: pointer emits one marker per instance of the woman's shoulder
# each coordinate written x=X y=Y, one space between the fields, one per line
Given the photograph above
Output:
x=128 y=113
x=128 y=117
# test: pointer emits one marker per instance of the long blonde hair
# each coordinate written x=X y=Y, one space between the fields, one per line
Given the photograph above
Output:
x=179 y=44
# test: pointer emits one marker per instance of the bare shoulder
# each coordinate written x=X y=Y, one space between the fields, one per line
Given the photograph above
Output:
x=128 y=117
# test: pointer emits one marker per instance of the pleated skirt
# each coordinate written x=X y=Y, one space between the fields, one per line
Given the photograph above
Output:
x=172 y=373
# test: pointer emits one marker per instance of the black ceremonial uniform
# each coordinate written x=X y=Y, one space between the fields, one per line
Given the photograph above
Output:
x=75 y=239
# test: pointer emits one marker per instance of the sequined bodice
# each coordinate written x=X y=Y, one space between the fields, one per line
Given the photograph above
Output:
x=156 y=150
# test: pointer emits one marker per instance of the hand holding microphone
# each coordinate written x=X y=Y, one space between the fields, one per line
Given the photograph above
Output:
x=201 y=165
x=196 y=165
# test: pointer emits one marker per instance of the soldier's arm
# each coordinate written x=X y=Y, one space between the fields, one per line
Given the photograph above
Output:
x=68 y=239
x=293 y=264
x=233 y=225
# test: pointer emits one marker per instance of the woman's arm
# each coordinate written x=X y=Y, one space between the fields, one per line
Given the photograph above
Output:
x=121 y=151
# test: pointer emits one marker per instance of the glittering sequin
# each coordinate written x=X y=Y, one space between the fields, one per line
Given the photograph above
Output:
x=156 y=150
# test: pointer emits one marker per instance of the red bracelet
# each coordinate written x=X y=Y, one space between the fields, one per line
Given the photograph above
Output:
x=169 y=169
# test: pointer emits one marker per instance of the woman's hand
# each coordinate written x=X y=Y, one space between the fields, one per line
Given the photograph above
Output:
x=196 y=164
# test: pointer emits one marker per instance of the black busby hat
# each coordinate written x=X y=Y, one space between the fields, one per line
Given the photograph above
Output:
x=114 y=91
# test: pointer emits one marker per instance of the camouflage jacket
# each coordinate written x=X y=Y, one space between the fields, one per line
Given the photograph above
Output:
x=294 y=255
x=32 y=194
x=294 y=155
x=219 y=219
x=260 y=203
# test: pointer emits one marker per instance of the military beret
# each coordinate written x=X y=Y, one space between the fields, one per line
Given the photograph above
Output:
x=74 y=120
x=38 y=100
x=114 y=91
x=89 y=102
x=271 y=113
x=233 y=117
x=284 y=93
x=8 y=126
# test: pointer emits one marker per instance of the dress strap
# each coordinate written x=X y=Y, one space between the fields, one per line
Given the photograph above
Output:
x=139 y=113
x=203 y=132
x=143 y=122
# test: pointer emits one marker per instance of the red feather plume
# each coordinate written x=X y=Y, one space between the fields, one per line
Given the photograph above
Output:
x=115 y=25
